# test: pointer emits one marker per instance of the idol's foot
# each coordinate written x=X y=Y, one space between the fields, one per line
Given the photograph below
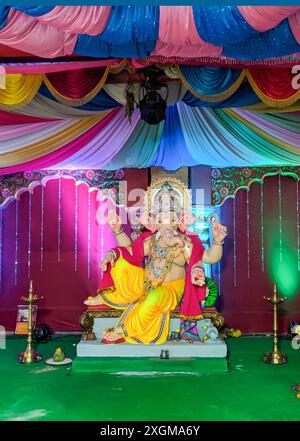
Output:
x=93 y=301
x=113 y=335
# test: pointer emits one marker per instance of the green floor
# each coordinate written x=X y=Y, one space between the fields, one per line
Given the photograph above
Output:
x=250 y=390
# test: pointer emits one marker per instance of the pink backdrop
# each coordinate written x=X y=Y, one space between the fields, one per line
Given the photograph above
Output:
x=63 y=288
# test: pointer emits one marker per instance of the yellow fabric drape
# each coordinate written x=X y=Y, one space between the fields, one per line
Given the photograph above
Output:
x=49 y=144
x=146 y=315
x=20 y=89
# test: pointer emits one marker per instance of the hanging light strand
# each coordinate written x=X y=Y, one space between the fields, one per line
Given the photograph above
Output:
x=1 y=235
x=280 y=215
x=76 y=230
x=29 y=234
x=42 y=231
x=16 y=243
x=262 y=233
x=248 y=234
x=89 y=235
x=298 y=231
x=234 y=242
x=219 y=264
x=59 y=220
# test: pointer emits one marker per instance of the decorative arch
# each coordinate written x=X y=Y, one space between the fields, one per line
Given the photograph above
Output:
x=13 y=185
x=226 y=182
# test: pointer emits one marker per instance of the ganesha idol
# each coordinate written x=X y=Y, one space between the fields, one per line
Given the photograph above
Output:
x=148 y=277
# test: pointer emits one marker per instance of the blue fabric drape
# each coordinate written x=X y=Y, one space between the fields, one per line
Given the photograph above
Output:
x=128 y=24
x=4 y=11
x=94 y=47
x=244 y=96
x=209 y=80
x=35 y=11
x=131 y=31
x=140 y=149
x=172 y=152
x=276 y=42
x=221 y=25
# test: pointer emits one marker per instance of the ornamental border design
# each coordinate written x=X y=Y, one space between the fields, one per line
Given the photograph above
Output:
x=13 y=185
x=226 y=182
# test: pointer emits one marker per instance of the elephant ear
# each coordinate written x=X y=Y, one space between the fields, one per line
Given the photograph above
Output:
x=146 y=220
x=186 y=220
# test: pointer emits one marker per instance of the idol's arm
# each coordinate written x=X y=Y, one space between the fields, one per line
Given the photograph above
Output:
x=214 y=253
x=114 y=222
x=122 y=239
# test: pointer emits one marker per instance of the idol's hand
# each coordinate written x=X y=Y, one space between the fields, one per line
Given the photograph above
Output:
x=198 y=277
x=219 y=232
x=110 y=258
x=114 y=221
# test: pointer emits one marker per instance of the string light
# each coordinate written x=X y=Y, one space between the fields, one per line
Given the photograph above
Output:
x=76 y=229
x=1 y=233
x=219 y=264
x=89 y=234
x=29 y=234
x=102 y=244
x=280 y=216
x=248 y=235
x=59 y=220
x=262 y=233
x=234 y=243
x=297 y=214
x=42 y=231
x=16 y=242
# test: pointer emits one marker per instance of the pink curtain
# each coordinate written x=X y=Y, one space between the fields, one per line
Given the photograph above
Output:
x=262 y=18
x=89 y=20
x=63 y=286
x=294 y=21
x=177 y=26
x=243 y=305
x=36 y=38
x=178 y=36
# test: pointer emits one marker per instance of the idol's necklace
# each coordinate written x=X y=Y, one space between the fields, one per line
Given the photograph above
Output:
x=158 y=252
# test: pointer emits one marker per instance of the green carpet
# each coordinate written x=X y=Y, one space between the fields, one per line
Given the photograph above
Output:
x=149 y=366
x=250 y=390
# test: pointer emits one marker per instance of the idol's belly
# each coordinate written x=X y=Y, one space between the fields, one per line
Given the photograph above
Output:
x=174 y=274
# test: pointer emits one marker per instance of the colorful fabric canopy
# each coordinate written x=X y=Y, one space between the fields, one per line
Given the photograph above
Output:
x=240 y=32
x=189 y=136
x=208 y=87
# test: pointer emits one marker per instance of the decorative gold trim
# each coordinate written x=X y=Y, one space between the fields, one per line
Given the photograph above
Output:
x=155 y=187
x=87 y=319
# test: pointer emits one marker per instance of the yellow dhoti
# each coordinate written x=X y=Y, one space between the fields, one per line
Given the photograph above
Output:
x=146 y=315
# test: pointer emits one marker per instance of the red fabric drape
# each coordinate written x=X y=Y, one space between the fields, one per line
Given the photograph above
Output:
x=275 y=83
x=7 y=118
x=75 y=84
x=243 y=306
